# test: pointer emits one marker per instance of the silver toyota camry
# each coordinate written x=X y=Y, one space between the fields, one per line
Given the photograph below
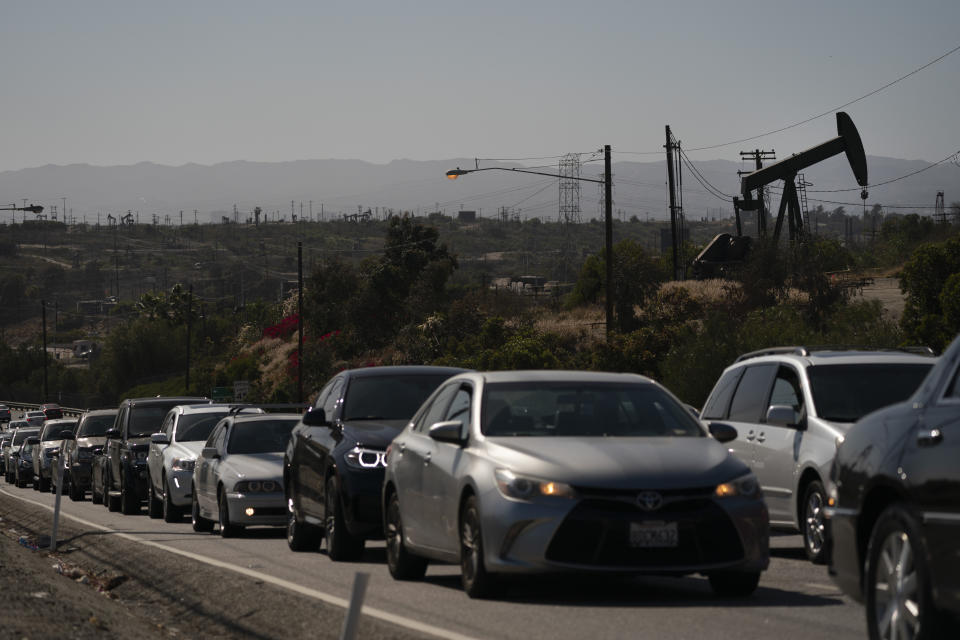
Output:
x=560 y=471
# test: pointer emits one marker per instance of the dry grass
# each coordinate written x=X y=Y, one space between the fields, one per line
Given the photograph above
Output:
x=585 y=323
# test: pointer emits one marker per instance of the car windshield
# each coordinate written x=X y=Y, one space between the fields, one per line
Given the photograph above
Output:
x=395 y=397
x=36 y=414
x=847 y=392
x=52 y=431
x=584 y=409
x=197 y=426
x=23 y=434
x=94 y=426
x=260 y=436
x=146 y=420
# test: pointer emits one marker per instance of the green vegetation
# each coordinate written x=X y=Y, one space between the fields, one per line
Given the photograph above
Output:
x=415 y=291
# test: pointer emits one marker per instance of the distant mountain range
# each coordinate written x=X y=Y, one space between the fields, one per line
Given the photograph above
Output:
x=336 y=187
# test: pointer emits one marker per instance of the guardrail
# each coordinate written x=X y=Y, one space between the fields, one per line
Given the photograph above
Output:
x=27 y=406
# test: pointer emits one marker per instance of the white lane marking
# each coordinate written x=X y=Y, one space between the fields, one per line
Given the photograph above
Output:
x=824 y=587
x=343 y=603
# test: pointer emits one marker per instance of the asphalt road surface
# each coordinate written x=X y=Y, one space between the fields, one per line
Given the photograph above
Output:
x=795 y=600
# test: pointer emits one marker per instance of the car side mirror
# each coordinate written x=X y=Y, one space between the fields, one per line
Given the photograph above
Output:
x=159 y=438
x=450 y=431
x=315 y=418
x=112 y=433
x=722 y=432
x=782 y=415
x=210 y=452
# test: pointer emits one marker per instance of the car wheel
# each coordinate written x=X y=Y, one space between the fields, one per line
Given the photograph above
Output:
x=402 y=564
x=154 y=506
x=227 y=530
x=897 y=580
x=20 y=481
x=74 y=491
x=341 y=544
x=96 y=497
x=171 y=512
x=735 y=584
x=477 y=583
x=300 y=535
x=129 y=505
x=200 y=524
x=36 y=484
x=816 y=541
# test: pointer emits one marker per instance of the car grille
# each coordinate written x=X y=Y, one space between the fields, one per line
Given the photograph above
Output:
x=597 y=533
x=271 y=511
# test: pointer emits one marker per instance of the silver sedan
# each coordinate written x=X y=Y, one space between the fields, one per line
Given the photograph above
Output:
x=552 y=471
x=238 y=476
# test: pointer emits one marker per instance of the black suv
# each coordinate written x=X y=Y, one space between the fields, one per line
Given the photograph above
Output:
x=894 y=509
x=120 y=470
x=333 y=465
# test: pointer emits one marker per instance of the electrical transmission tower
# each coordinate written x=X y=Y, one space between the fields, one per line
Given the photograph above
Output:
x=939 y=213
x=570 y=189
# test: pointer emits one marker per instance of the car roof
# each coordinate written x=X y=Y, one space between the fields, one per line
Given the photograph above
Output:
x=165 y=400
x=396 y=370
x=814 y=356
x=548 y=375
x=258 y=417
x=100 y=412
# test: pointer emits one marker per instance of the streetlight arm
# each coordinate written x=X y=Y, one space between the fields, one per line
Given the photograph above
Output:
x=453 y=174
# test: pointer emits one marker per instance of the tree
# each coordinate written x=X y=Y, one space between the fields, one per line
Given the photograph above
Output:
x=928 y=280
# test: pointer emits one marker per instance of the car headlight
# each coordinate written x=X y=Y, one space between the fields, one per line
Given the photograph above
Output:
x=746 y=486
x=364 y=458
x=142 y=456
x=183 y=464
x=520 y=487
x=257 y=486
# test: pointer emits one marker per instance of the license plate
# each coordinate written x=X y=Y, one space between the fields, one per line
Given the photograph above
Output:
x=653 y=534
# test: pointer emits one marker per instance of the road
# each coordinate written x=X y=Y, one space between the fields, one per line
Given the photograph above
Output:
x=795 y=599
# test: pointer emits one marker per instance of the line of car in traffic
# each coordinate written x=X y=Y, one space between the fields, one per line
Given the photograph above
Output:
x=507 y=473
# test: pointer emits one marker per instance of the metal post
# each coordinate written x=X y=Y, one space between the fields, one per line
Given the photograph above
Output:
x=56 y=502
x=189 y=323
x=299 y=322
x=673 y=201
x=608 y=223
x=352 y=620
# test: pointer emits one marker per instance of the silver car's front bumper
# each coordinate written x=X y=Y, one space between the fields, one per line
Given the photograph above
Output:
x=594 y=535
x=252 y=509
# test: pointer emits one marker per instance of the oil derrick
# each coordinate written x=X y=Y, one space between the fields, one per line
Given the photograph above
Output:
x=570 y=189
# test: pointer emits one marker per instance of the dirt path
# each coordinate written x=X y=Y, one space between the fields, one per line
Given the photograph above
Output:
x=887 y=291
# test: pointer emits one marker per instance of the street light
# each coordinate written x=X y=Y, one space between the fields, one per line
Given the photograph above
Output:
x=607 y=183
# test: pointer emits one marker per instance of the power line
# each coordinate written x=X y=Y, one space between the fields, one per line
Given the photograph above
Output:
x=812 y=118
x=950 y=157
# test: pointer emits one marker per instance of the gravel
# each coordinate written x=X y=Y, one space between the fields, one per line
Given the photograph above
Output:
x=99 y=586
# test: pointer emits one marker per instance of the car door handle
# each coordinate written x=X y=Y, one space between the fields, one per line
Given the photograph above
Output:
x=751 y=434
x=761 y=437
x=426 y=459
x=929 y=437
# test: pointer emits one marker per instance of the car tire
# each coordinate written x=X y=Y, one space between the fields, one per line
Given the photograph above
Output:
x=896 y=572
x=816 y=535
x=171 y=512
x=300 y=535
x=199 y=523
x=342 y=546
x=227 y=530
x=402 y=564
x=734 y=584
x=477 y=582
x=129 y=505
x=154 y=505
x=96 y=497
x=75 y=491
x=20 y=482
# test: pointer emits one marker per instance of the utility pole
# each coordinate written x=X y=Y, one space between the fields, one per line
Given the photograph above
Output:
x=299 y=322
x=43 y=307
x=758 y=158
x=608 y=228
x=673 y=200
x=189 y=326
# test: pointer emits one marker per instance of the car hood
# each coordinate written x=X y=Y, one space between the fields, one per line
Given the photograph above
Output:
x=372 y=433
x=188 y=449
x=91 y=441
x=620 y=463
x=255 y=465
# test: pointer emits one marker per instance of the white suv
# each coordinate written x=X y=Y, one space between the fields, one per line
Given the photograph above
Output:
x=791 y=407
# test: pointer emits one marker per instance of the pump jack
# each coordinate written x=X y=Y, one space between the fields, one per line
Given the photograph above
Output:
x=847 y=141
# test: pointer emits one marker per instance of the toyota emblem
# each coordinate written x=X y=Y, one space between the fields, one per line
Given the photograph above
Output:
x=649 y=500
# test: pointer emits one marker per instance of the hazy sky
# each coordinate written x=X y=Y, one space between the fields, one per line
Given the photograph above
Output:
x=172 y=82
